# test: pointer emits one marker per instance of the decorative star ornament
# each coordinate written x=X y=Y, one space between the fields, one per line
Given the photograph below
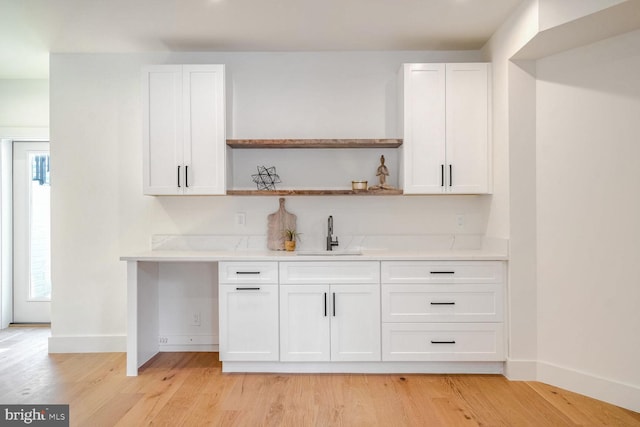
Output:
x=266 y=178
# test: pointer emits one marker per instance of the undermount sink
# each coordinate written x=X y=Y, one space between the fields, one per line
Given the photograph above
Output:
x=329 y=253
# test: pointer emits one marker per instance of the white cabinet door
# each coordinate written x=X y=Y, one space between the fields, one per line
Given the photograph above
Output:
x=467 y=115
x=355 y=323
x=424 y=128
x=304 y=323
x=184 y=129
x=446 y=125
x=248 y=322
x=321 y=323
x=163 y=136
x=204 y=130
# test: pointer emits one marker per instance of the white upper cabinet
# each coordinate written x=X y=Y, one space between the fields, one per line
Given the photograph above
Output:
x=184 y=129
x=446 y=128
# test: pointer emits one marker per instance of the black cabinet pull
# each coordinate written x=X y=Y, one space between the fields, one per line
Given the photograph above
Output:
x=334 y=304
x=442 y=272
x=247 y=272
x=186 y=176
x=450 y=175
x=443 y=303
x=247 y=289
x=178 y=176
x=325 y=304
x=442 y=342
x=441 y=175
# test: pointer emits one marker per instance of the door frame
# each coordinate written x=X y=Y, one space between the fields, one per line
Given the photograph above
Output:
x=6 y=218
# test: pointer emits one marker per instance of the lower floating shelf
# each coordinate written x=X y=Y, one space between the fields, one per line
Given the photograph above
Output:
x=314 y=192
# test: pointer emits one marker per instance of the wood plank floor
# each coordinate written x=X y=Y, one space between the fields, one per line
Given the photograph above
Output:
x=189 y=389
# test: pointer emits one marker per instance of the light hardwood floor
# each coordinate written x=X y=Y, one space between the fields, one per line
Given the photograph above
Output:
x=189 y=389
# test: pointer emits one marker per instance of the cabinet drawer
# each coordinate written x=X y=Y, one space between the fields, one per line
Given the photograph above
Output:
x=442 y=342
x=329 y=272
x=248 y=272
x=442 y=272
x=442 y=303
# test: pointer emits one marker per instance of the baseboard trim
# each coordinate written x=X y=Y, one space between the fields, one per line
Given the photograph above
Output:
x=366 y=367
x=88 y=344
x=607 y=390
x=521 y=370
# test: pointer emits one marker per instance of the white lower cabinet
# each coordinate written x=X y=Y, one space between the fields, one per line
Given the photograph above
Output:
x=335 y=321
x=339 y=311
x=248 y=309
x=443 y=311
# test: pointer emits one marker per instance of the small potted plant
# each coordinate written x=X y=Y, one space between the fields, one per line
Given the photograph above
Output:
x=290 y=237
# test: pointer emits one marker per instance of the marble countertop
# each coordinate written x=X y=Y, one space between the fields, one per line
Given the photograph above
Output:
x=372 y=255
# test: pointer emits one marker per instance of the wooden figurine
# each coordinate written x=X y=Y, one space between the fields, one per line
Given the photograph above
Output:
x=382 y=173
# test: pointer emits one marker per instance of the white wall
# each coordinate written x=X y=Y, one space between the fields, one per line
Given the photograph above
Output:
x=99 y=212
x=588 y=105
x=24 y=106
x=572 y=279
x=513 y=207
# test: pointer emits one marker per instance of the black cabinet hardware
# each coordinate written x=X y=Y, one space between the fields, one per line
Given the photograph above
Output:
x=443 y=303
x=441 y=175
x=178 y=176
x=442 y=342
x=442 y=272
x=450 y=175
x=186 y=176
x=334 y=304
x=247 y=289
x=247 y=272
x=325 y=304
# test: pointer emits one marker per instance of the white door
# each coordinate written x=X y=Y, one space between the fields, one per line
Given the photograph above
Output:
x=355 y=323
x=31 y=234
x=424 y=128
x=304 y=323
x=204 y=129
x=248 y=322
x=163 y=136
x=467 y=128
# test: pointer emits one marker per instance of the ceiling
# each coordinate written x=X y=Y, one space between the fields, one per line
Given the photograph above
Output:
x=30 y=29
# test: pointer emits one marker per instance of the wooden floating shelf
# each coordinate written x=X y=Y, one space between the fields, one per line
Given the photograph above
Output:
x=313 y=192
x=314 y=143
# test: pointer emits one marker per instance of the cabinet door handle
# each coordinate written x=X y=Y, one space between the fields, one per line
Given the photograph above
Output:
x=450 y=175
x=443 y=303
x=442 y=272
x=247 y=289
x=443 y=342
x=247 y=272
x=178 y=176
x=186 y=176
x=334 y=304
x=325 y=304
x=441 y=175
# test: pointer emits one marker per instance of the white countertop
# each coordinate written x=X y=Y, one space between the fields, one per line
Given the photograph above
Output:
x=366 y=255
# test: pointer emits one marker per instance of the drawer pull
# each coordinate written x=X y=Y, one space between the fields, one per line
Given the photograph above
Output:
x=247 y=289
x=443 y=303
x=442 y=342
x=247 y=272
x=442 y=272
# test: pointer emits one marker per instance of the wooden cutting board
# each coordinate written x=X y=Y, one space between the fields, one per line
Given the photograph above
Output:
x=277 y=223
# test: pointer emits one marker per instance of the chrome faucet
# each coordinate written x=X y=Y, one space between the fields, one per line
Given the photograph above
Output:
x=330 y=240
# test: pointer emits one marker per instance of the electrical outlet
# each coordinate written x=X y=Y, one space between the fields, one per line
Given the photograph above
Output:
x=460 y=220
x=241 y=218
x=195 y=319
x=163 y=340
